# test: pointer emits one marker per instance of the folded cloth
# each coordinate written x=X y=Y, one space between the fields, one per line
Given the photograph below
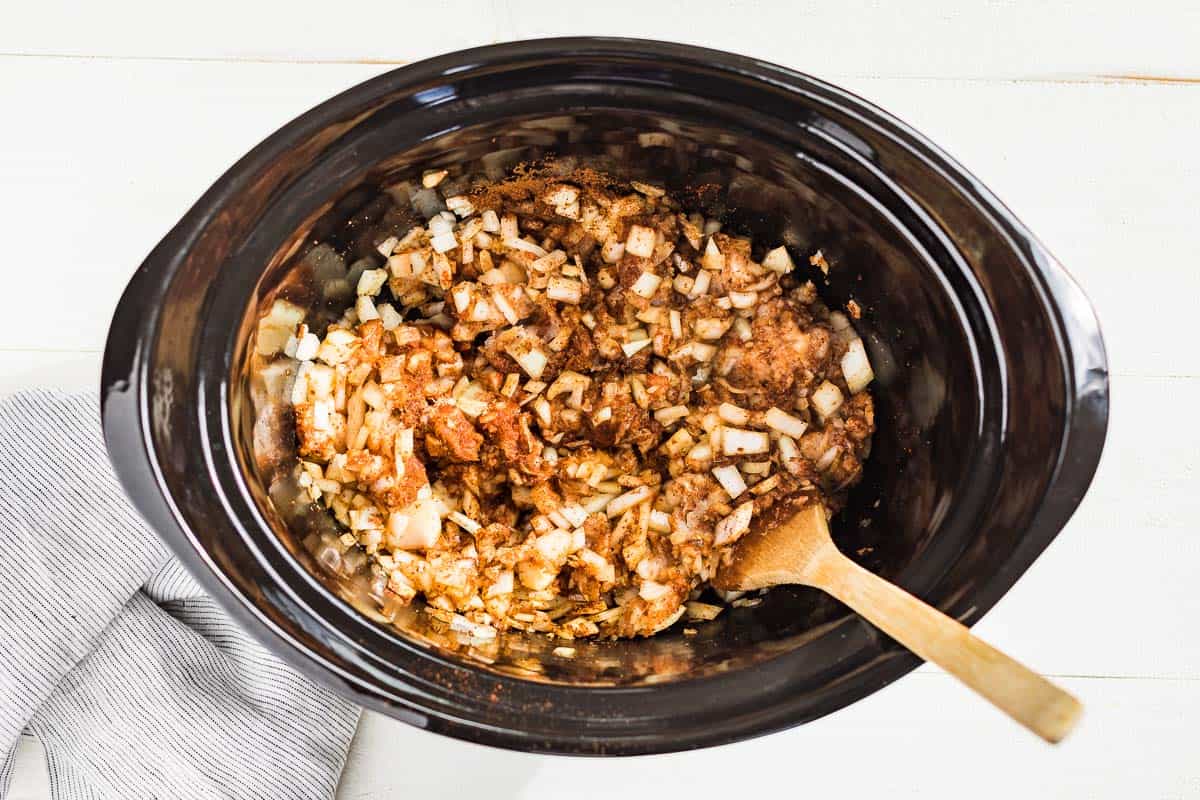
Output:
x=135 y=682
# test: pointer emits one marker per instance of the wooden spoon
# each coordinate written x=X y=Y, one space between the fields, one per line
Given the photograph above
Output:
x=801 y=551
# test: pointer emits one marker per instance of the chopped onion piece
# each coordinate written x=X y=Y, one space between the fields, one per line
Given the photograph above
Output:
x=503 y=585
x=516 y=243
x=460 y=205
x=660 y=521
x=597 y=503
x=703 y=612
x=564 y=290
x=551 y=261
x=734 y=415
x=444 y=242
x=505 y=307
x=653 y=590
x=671 y=414
x=647 y=189
x=632 y=348
x=679 y=442
x=415 y=528
x=700 y=455
x=386 y=247
x=633 y=497
x=646 y=285
x=365 y=309
x=701 y=284
x=743 y=299
x=612 y=251
x=474 y=400
x=463 y=521
x=640 y=241
x=389 y=316
x=711 y=328
x=702 y=351
x=433 y=177
x=731 y=479
x=531 y=359
x=730 y=529
x=856 y=367
x=574 y=514
x=491 y=221
x=827 y=399
x=778 y=260
x=676 y=324
x=306 y=348
x=735 y=441
x=785 y=423
x=827 y=458
x=712 y=259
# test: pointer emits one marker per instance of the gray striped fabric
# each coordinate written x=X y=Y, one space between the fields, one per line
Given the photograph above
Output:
x=135 y=682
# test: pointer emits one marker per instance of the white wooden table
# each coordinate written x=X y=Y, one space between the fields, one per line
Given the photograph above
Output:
x=1083 y=116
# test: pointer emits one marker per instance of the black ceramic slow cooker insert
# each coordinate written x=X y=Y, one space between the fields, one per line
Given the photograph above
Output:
x=991 y=390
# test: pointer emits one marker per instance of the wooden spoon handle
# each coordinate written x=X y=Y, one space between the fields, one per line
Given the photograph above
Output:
x=1012 y=687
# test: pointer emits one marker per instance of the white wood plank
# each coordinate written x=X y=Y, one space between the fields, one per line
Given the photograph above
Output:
x=1106 y=175
x=860 y=37
x=49 y=369
x=1060 y=154
x=924 y=736
x=102 y=177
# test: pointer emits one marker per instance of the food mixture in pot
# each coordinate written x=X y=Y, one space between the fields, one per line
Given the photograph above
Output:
x=558 y=405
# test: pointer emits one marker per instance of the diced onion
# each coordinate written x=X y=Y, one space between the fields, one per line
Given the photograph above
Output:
x=711 y=328
x=735 y=441
x=516 y=243
x=444 y=242
x=460 y=205
x=386 y=247
x=734 y=415
x=660 y=521
x=856 y=367
x=732 y=528
x=463 y=521
x=778 y=260
x=652 y=590
x=827 y=399
x=365 y=309
x=646 y=285
x=307 y=346
x=632 y=348
x=743 y=299
x=628 y=500
x=731 y=480
x=564 y=290
x=671 y=414
x=433 y=177
x=640 y=241
x=785 y=423
x=612 y=251
x=712 y=259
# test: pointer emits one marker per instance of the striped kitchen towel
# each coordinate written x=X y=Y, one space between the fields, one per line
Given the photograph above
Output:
x=135 y=682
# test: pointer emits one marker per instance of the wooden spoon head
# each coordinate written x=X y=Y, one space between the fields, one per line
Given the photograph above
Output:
x=778 y=553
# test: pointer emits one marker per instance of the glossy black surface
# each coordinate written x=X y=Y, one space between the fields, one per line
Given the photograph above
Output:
x=992 y=382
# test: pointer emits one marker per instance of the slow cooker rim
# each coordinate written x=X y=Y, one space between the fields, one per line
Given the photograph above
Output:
x=116 y=370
